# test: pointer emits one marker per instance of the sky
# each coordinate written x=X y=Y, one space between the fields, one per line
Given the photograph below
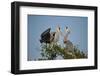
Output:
x=39 y=23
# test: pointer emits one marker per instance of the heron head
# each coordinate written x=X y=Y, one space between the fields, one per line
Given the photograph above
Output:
x=58 y=28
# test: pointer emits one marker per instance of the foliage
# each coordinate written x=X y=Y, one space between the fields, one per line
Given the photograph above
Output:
x=53 y=50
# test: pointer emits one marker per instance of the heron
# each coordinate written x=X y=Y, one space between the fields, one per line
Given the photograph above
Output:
x=47 y=36
x=57 y=34
x=66 y=34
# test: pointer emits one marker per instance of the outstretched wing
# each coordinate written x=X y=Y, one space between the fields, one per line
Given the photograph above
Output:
x=45 y=32
x=45 y=36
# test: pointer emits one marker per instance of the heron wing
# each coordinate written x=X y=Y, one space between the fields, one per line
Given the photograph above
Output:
x=45 y=32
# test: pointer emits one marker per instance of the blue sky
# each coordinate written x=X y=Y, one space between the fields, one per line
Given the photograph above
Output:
x=39 y=23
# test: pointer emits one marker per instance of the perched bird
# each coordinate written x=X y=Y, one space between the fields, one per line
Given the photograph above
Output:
x=47 y=36
x=66 y=33
x=57 y=34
